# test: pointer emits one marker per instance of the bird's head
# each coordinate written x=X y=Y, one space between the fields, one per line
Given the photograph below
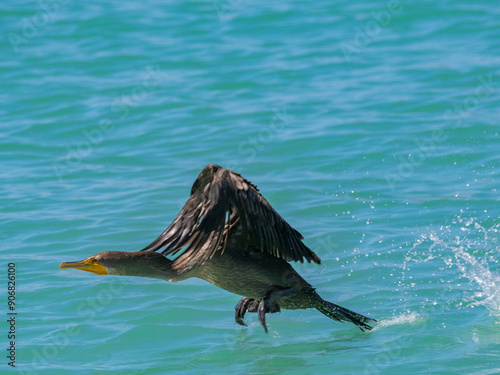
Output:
x=139 y=263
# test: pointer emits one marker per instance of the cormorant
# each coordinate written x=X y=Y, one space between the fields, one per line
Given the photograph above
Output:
x=229 y=235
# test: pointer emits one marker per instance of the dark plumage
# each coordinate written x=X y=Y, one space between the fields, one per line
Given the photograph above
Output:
x=230 y=236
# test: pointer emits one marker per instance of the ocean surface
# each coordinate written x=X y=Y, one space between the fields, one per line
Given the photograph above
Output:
x=372 y=127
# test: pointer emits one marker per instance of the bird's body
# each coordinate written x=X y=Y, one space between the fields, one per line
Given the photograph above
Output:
x=230 y=236
x=255 y=279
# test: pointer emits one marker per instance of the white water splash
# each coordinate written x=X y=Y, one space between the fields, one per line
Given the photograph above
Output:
x=408 y=318
x=478 y=272
x=472 y=252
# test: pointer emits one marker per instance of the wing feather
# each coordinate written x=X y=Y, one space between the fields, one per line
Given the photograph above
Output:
x=220 y=200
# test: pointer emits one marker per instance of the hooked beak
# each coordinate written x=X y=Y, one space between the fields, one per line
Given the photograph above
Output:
x=89 y=265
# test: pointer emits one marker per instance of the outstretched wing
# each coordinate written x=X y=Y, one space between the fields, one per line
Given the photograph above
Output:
x=221 y=199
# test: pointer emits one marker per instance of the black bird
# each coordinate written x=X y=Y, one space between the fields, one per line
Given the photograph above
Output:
x=230 y=236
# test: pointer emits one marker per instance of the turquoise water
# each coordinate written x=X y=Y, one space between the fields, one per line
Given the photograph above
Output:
x=372 y=127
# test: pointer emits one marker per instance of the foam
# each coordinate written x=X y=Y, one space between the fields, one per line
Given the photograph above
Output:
x=407 y=318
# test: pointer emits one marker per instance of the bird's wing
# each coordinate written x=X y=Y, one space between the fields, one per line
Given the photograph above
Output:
x=221 y=198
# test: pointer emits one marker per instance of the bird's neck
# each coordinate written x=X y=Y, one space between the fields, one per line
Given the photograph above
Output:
x=148 y=264
x=163 y=273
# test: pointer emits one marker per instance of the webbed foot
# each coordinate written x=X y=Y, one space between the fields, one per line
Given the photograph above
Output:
x=261 y=307
x=245 y=304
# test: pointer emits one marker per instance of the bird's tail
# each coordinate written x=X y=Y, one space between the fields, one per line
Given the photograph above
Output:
x=340 y=314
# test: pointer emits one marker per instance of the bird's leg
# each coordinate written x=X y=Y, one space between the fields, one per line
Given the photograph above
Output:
x=262 y=312
x=266 y=305
x=241 y=309
x=247 y=304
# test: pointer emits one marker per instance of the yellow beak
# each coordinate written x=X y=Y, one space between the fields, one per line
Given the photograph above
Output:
x=89 y=265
